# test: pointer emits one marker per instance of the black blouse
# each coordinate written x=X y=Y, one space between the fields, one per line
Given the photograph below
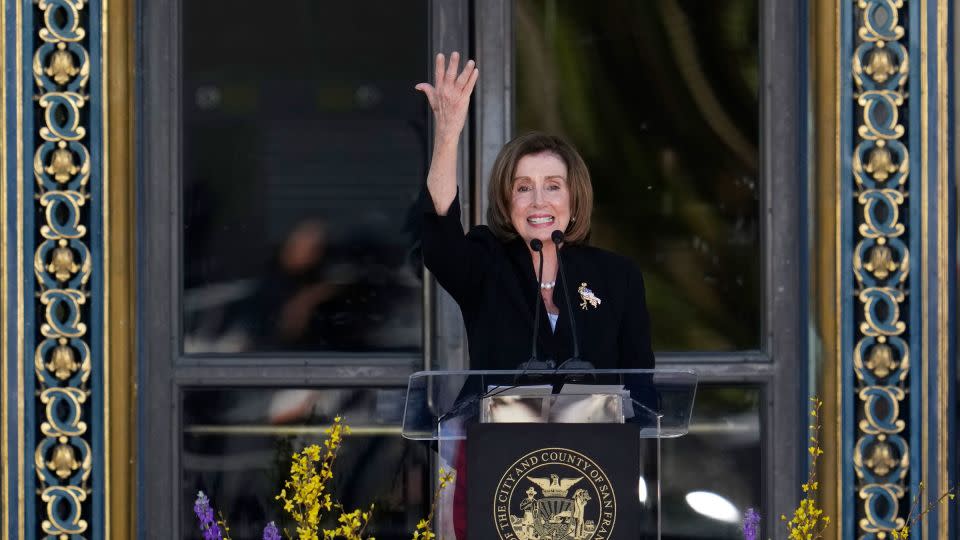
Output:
x=495 y=284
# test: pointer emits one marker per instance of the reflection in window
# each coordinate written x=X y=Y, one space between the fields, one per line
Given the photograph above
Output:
x=236 y=447
x=304 y=147
x=713 y=474
x=661 y=98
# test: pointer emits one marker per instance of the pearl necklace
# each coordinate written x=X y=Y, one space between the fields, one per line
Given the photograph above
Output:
x=548 y=285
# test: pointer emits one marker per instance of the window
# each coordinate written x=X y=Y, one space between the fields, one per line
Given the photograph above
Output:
x=662 y=100
x=289 y=136
x=283 y=146
x=687 y=114
x=237 y=443
x=303 y=148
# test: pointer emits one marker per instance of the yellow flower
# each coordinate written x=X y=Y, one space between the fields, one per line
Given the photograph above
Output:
x=305 y=495
x=808 y=521
x=424 y=530
x=916 y=514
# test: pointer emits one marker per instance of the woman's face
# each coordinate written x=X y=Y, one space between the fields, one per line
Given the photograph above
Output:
x=540 y=197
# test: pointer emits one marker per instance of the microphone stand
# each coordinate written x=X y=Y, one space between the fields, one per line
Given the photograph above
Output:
x=534 y=363
x=537 y=246
x=574 y=362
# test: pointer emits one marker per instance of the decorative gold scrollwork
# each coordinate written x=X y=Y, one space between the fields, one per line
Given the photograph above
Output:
x=63 y=363
x=881 y=360
x=64 y=460
x=880 y=167
x=880 y=164
x=881 y=460
x=61 y=166
x=62 y=67
x=880 y=263
x=881 y=64
x=63 y=265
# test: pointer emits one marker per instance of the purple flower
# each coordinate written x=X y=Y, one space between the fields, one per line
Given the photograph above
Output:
x=270 y=532
x=213 y=533
x=751 y=524
x=208 y=525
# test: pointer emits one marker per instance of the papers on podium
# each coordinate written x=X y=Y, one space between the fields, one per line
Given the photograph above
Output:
x=574 y=404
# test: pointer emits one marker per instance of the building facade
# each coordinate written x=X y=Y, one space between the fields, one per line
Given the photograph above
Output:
x=209 y=252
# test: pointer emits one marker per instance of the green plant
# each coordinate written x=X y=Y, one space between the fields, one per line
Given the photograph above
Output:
x=808 y=521
x=903 y=533
x=306 y=496
x=425 y=527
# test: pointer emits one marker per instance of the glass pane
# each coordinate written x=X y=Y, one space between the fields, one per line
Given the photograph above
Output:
x=713 y=474
x=237 y=445
x=661 y=98
x=304 y=147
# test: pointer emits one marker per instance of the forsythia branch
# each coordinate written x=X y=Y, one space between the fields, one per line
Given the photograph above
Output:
x=808 y=521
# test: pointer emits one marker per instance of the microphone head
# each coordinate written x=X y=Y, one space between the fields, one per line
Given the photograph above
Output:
x=536 y=244
x=557 y=237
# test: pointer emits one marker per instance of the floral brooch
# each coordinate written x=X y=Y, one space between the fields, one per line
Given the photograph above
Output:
x=587 y=297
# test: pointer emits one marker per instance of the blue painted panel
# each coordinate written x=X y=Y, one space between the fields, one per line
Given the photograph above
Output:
x=10 y=106
x=845 y=287
x=97 y=249
x=28 y=476
x=951 y=363
x=915 y=222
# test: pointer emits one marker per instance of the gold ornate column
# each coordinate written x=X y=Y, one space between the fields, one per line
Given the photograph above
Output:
x=120 y=266
x=824 y=39
x=881 y=263
x=66 y=203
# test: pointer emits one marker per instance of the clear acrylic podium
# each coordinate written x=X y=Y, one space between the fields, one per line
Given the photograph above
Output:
x=442 y=405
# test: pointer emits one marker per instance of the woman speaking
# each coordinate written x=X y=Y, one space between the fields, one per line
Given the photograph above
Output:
x=538 y=223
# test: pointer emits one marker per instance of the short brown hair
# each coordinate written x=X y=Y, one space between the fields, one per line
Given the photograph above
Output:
x=501 y=184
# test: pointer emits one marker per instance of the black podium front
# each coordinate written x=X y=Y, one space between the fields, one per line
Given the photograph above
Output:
x=546 y=455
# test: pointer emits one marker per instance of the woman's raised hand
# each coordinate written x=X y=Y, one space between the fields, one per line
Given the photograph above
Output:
x=449 y=96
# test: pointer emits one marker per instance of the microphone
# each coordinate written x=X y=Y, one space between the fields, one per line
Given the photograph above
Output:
x=534 y=363
x=537 y=246
x=575 y=361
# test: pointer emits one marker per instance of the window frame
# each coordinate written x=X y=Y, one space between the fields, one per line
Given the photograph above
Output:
x=778 y=365
x=485 y=29
x=164 y=370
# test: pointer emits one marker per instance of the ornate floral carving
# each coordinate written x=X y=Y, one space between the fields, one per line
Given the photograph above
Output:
x=61 y=164
x=880 y=263
x=62 y=266
x=881 y=360
x=881 y=459
x=63 y=362
x=881 y=65
x=881 y=266
x=64 y=461
x=880 y=164
x=61 y=67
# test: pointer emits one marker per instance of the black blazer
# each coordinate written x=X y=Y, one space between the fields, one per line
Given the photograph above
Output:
x=495 y=285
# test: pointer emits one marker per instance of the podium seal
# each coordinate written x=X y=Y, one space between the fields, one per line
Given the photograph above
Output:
x=554 y=494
